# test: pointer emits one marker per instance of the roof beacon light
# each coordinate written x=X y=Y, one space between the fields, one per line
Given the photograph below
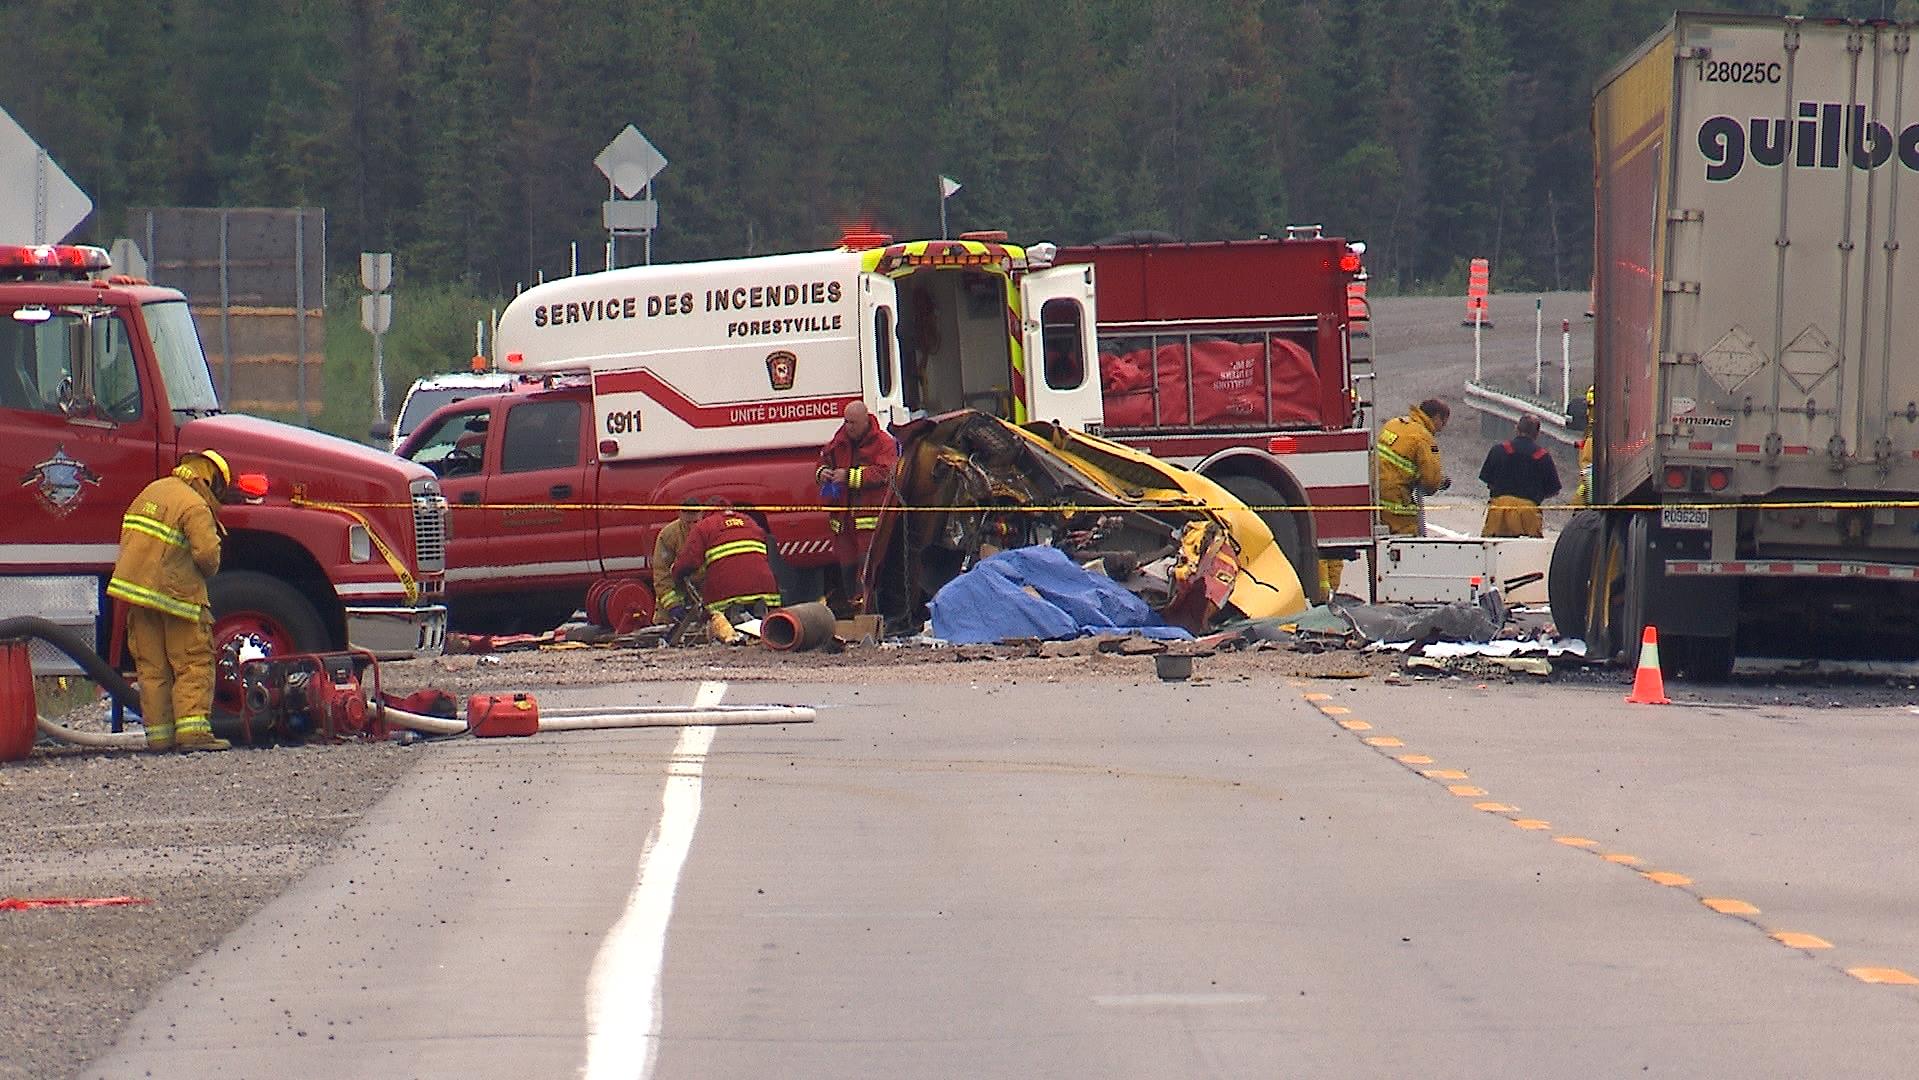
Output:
x=52 y=260
x=859 y=238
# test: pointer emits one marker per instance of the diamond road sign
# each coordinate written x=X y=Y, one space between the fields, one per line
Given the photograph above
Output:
x=630 y=162
x=38 y=203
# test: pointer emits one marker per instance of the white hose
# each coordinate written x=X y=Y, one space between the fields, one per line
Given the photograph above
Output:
x=675 y=716
x=99 y=740
x=430 y=725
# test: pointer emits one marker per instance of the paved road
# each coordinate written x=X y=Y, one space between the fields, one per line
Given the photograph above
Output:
x=1081 y=878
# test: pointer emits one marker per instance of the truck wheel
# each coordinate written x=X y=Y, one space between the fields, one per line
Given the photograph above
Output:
x=1569 y=574
x=247 y=603
x=1288 y=529
x=1705 y=659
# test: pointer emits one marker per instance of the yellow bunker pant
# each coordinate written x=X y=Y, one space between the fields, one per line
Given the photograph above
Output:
x=173 y=659
x=1510 y=515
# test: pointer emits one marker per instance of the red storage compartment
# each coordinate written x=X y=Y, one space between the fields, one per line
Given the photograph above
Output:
x=16 y=701
x=491 y=716
x=1228 y=386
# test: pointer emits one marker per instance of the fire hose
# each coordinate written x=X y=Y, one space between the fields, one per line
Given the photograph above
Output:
x=96 y=669
x=634 y=716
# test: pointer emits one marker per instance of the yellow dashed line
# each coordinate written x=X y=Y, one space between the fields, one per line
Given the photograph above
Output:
x=1496 y=808
x=1665 y=877
x=1355 y=725
x=1466 y=791
x=1575 y=841
x=1883 y=976
x=1442 y=774
x=1532 y=823
x=1728 y=906
x=1316 y=696
x=1382 y=740
x=1413 y=759
x=1335 y=710
x=1792 y=939
x=1621 y=858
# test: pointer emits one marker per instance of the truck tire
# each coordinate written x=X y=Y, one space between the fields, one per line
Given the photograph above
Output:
x=1569 y=574
x=249 y=602
x=1288 y=527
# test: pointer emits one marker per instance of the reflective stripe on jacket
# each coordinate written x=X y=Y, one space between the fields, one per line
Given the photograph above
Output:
x=869 y=462
x=732 y=550
x=169 y=547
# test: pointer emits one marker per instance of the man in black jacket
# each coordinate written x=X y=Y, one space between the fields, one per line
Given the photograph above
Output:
x=1519 y=475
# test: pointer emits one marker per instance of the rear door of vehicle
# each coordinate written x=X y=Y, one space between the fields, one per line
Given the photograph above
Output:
x=539 y=521
x=1057 y=340
x=880 y=348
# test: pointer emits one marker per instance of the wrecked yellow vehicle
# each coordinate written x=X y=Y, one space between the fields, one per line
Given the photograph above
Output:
x=970 y=484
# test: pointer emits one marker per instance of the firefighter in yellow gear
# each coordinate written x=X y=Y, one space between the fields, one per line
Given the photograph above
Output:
x=668 y=601
x=169 y=547
x=1408 y=453
x=1583 y=496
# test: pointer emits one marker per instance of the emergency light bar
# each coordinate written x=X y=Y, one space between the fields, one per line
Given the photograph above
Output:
x=63 y=260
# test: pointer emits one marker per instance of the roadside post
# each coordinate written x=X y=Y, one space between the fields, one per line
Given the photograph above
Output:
x=376 y=316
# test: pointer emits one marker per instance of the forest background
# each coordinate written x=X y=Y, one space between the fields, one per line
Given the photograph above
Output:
x=460 y=134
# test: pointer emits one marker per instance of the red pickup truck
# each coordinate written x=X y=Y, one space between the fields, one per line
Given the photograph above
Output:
x=537 y=517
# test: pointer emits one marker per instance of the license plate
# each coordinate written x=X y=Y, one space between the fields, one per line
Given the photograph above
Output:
x=1683 y=517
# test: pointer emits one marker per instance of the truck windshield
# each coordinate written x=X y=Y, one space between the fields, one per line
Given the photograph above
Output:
x=183 y=366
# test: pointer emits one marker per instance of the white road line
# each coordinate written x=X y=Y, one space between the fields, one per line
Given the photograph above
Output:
x=623 y=991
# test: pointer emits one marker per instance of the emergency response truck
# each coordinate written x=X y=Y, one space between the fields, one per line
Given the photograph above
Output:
x=725 y=378
x=103 y=385
x=1756 y=402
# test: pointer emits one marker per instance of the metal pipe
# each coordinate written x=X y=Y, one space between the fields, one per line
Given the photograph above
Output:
x=801 y=626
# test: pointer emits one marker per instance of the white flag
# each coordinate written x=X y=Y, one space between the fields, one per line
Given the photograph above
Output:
x=948 y=186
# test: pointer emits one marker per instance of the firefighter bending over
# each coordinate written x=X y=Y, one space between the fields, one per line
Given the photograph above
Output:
x=1519 y=475
x=855 y=472
x=730 y=548
x=1409 y=464
x=169 y=547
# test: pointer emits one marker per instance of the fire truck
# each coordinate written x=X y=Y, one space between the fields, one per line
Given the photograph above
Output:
x=103 y=385
x=1249 y=361
x=677 y=382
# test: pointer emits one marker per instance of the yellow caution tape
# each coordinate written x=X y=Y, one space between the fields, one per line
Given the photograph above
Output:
x=1037 y=508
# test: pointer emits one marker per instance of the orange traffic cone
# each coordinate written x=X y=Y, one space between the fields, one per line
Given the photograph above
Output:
x=1648 y=685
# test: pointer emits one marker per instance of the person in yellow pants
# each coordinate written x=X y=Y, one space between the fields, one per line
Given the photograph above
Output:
x=1519 y=475
x=169 y=547
x=1408 y=452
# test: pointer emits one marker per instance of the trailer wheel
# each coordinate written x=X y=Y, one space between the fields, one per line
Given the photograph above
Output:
x=1290 y=528
x=1569 y=574
x=1706 y=659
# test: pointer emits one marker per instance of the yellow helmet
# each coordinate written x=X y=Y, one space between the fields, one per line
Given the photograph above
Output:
x=221 y=474
x=1589 y=395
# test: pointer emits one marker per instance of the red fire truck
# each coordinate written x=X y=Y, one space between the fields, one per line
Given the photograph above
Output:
x=1250 y=362
x=103 y=385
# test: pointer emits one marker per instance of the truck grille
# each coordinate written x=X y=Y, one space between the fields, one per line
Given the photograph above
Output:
x=429 y=532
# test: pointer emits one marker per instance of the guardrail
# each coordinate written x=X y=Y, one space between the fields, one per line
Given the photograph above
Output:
x=1508 y=405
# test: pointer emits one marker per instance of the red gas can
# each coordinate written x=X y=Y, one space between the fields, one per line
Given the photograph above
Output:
x=493 y=715
x=16 y=701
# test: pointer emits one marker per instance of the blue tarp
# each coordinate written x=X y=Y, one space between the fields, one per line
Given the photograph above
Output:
x=1037 y=592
